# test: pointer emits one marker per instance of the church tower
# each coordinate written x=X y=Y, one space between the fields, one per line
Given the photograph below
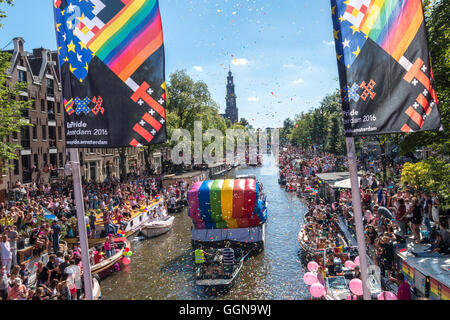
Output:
x=231 y=112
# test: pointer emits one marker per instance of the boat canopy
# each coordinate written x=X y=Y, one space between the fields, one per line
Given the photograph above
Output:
x=226 y=204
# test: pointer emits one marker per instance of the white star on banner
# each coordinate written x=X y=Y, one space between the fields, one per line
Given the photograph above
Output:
x=149 y=91
x=142 y=123
x=424 y=68
x=161 y=101
x=153 y=132
x=415 y=82
x=425 y=92
x=140 y=102
x=415 y=105
x=152 y=112
x=346 y=43
x=162 y=121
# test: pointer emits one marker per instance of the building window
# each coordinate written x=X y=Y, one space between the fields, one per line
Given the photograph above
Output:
x=44 y=133
x=59 y=133
x=58 y=107
x=22 y=76
x=33 y=105
x=45 y=158
x=16 y=166
x=42 y=105
x=36 y=160
x=50 y=88
x=34 y=132
x=51 y=110
x=61 y=162
x=14 y=135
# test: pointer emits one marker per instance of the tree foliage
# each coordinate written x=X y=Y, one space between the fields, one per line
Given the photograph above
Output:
x=11 y=108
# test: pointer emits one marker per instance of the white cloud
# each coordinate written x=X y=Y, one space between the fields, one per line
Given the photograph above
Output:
x=241 y=61
x=289 y=66
x=328 y=43
x=253 y=99
x=298 y=81
x=198 y=68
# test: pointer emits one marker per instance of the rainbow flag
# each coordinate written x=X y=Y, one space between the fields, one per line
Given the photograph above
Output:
x=438 y=291
x=128 y=39
x=392 y=24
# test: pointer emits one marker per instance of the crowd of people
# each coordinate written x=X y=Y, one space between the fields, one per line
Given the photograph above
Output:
x=392 y=211
x=39 y=216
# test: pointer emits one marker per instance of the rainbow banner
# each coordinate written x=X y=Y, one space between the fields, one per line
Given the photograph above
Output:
x=226 y=204
x=111 y=56
x=384 y=65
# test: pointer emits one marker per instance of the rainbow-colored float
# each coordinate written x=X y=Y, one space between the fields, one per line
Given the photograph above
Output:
x=230 y=209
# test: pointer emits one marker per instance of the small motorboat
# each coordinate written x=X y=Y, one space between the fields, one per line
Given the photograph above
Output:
x=106 y=266
x=154 y=228
x=337 y=288
x=210 y=276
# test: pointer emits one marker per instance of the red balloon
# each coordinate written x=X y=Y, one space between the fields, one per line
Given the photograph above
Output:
x=126 y=261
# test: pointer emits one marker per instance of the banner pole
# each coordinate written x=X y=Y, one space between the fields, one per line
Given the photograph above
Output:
x=82 y=232
x=357 y=214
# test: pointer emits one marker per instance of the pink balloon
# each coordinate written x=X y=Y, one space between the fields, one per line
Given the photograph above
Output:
x=387 y=295
x=356 y=287
x=126 y=261
x=349 y=264
x=357 y=261
x=317 y=290
x=313 y=266
x=310 y=278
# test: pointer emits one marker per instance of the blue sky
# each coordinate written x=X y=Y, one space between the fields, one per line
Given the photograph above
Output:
x=281 y=52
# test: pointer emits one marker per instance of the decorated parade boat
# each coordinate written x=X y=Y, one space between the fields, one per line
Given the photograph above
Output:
x=128 y=228
x=109 y=265
x=231 y=210
x=226 y=212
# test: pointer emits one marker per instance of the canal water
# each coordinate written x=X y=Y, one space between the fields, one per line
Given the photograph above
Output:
x=162 y=268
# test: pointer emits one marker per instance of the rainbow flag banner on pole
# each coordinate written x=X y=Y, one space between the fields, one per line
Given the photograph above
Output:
x=111 y=57
x=384 y=65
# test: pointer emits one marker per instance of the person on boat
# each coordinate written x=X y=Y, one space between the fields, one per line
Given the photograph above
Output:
x=42 y=274
x=92 y=220
x=18 y=291
x=55 y=231
x=109 y=247
x=24 y=273
x=228 y=259
x=404 y=289
x=6 y=254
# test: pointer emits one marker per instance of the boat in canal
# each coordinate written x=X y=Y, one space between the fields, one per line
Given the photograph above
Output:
x=211 y=275
x=107 y=266
x=230 y=210
x=156 y=227
x=128 y=228
x=337 y=288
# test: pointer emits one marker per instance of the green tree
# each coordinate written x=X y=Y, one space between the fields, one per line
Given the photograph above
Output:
x=11 y=108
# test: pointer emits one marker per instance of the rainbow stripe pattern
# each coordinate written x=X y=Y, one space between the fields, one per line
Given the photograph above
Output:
x=130 y=38
x=392 y=24
x=226 y=204
x=438 y=291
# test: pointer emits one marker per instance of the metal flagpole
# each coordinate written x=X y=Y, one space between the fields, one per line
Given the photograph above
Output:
x=357 y=214
x=79 y=203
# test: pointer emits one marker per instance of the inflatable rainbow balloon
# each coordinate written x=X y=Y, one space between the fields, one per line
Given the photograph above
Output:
x=226 y=204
